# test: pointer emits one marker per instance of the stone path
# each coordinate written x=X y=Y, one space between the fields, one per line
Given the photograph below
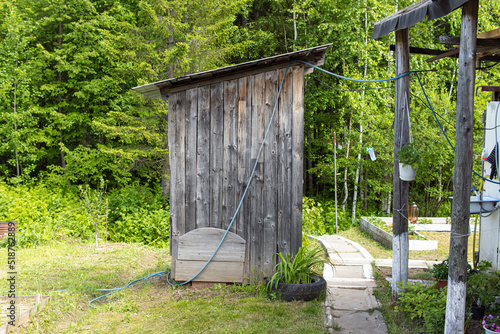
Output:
x=349 y=306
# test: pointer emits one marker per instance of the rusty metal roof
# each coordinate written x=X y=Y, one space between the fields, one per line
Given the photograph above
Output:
x=314 y=56
x=409 y=16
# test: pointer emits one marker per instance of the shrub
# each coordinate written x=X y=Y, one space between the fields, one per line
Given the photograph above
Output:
x=426 y=304
x=150 y=227
x=138 y=214
x=318 y=217
x=42 y=214
x=440 y=270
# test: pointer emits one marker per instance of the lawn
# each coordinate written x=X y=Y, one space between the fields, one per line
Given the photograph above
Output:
x=70 y=273
x=380 y=252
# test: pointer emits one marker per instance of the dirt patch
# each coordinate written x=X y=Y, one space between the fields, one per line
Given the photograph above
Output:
x=475 y=327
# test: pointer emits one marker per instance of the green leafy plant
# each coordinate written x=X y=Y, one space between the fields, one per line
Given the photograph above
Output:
x=424 y=303
x=299 y=268
x=424 y=221
x=409 y=155
x=482 y=287
x=96 y=207
x=440 y=270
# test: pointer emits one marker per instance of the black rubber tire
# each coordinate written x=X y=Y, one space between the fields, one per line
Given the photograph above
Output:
x=306 y=292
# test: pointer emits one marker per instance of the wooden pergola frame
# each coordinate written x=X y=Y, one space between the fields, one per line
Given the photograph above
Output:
x=468 y=45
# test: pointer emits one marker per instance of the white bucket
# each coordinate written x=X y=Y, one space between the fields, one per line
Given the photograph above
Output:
x=407 y=173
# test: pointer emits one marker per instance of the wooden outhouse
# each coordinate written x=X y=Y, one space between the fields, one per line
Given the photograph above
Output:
x=217 y=123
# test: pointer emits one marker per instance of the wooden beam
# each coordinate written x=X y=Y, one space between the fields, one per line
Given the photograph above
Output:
x=495 y=33
x=401 y=135
x=480 y=42
x=455 y=51
x=448 y=53
x=460 y=214
x=432 y=52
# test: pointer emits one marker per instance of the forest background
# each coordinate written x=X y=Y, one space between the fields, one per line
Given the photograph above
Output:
x=80 y=150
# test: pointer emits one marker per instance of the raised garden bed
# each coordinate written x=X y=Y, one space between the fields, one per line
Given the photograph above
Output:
x=26 y=308
x=380 y=233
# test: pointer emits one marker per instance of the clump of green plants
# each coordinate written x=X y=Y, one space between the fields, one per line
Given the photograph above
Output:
x=408 y=154
x=318 y=217
x=423 y=304
x=138 y=214
x=43 y=214
x=483 y=286
x=95 y=206
x=440 y=270
x=299 y=268
x=424 y=221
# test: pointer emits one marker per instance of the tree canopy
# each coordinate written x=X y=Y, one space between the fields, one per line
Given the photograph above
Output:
x=68 y=114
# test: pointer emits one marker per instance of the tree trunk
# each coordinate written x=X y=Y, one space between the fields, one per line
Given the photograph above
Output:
x=401 y=134
x=460 y=214
x=346 y=188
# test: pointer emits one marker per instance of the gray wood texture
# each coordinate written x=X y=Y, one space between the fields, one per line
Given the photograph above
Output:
x=256 y=200
x=285 y=164
x=203 y=159
x=216 y=153
x=201 y=243
x=196 y=247
x=460 y=213
x=401 y=135
x=215 y=135
x=191 y=148
x=230 y=152
x=297 y=157
x=269 y=191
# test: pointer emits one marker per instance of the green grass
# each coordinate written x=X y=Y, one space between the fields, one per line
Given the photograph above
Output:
x=153 y=307
x=379 y=251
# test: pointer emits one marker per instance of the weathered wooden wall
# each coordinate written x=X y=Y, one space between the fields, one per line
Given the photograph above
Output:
x=215 y=131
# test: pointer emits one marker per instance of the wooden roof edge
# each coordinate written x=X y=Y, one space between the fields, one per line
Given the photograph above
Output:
x=314 y=55
x=402 y=11
x=417 y=12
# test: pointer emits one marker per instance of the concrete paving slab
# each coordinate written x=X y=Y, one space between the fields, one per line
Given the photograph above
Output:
x=341 y=247
x=353 y=299
x=355 y=322
x=348 y=272
x=340 y=257
x=361 y=283
x=350 y=300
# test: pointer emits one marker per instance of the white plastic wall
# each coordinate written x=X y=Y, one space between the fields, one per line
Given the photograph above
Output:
x=490 y=226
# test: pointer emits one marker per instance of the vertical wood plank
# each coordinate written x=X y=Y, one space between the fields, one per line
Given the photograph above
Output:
x=230 y=165
x=191 y=148
x=297 y=157
x=256 y=216
x=178 y=179
x=172 y=156
x=244 y=164
x=401 y=134
x=203 y=159
x=216 y=153
x=460 y=214
x=284 y=163
x=269 y=193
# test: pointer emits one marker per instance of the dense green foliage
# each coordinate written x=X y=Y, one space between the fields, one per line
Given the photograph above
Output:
x=424 y=304
x=68 y=115
x=44 y=215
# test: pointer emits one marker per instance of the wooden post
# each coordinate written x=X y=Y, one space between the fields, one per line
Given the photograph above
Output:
x=401 y=134
x=457 y=276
